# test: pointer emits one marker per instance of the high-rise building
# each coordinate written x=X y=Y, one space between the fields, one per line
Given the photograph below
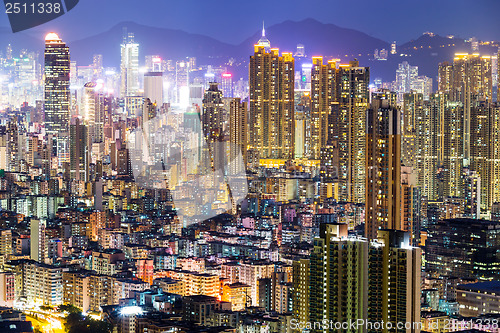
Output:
x=485 y=150
x=38 y=240
x=351 y=278
x=324 y=82
x=238 y=133
x=97 y=66
x=271 y=118
x=79 y=155
x=350 y=129
x=472 y=194
x=468 y=80
x=406 y=75
x=395 y=287
x=213 y=121
x=383 y=165
x=213 y=113
x=411 y=204
x=57 y=93
x=301 y=289
x=182 y=83
x=445 y=77
x=227 y=85
x=43 y=283
x=153 y=87
x=129 y=66
x=412 y=107
x=453 y=148
x=463 y=247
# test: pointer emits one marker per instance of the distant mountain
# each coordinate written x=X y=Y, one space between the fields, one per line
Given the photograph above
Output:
x=326 y=39
x=169 y=43
x=318 y=38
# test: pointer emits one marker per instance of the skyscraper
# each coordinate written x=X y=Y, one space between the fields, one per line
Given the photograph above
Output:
x=485 y=150
x=411 y=204
x=271 y=120
x=352 y=278
x=38 y=241
x=213 y=123
x=227 y=85
x=406 y=75
x=79 y=151
x=238 y=133
x=350 y=130
x=412 y=106
x=453 y=148
x=469 y=81
x=57 y=93
x=129 y=66
x=153 y=87
x=323 y=94
x=383 y=165
x=182 y=82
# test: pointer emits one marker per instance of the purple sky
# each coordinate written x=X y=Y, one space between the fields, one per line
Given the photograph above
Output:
x=232 y=21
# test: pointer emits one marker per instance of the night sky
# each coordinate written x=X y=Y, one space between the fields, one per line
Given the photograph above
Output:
x=233 y=21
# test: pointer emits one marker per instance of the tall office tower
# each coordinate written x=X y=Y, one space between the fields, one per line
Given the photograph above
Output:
x=472 y=194
x=453 y=149
x=153 y=87
x=182 y=83
x=338 y=280
x=238 y=133
x=323 y=96
x=350 y=130
x=227 y=85
x=271 y=120
x=57 y=93
x=485 y=150
x=97 y=66
x=405 y=76
x=79 y=154
x=383 y=165
x=300 y=280
x=411 y=204
x=412 y=107
x=129 y=66
x=37 y=240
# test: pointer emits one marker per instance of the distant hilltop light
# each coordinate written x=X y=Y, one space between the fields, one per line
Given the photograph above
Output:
x=52 y=36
